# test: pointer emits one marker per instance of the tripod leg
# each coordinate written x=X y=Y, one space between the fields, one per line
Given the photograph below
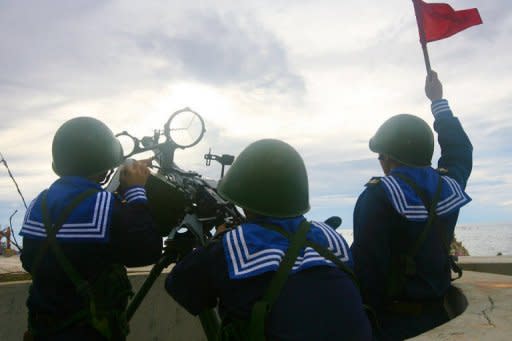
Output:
x=166 y=259
x=211 y=324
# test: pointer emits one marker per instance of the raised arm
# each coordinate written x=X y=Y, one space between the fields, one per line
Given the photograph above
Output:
x=135 y=239
x=456 y=149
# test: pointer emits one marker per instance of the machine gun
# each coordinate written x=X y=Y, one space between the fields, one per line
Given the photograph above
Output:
x=185 y=206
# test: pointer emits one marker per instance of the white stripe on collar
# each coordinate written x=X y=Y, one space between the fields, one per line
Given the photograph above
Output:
x=455 y=199
x=94 y=229
x=244 y=262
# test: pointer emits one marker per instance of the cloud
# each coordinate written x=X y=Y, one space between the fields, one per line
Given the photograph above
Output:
x=100 y=50
x=321 y=75
x=224 y=49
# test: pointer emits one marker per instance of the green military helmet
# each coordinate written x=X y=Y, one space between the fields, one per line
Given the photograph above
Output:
x=405 y=138
x=269 y=178
x=85 y=146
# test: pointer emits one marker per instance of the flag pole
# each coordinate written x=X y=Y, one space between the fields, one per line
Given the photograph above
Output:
x=426 y=57
x=423 y=41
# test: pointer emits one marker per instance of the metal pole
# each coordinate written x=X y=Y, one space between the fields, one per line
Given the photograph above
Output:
x=211 y=324
x=167 y=258
x=15 y=242
x=426 y=58
x=12 y=177
x=209 y=318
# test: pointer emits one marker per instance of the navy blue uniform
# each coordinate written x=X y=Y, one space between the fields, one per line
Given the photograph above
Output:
x=101 y=231
x=389 y=217
x=318 y=301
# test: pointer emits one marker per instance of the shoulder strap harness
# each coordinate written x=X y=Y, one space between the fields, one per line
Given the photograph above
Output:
x=407 y=265
x=98 y=321
x=256 y=325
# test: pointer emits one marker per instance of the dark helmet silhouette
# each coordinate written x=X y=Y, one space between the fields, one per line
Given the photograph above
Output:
x=269 y=178
x=405 y=138
x=85 y=146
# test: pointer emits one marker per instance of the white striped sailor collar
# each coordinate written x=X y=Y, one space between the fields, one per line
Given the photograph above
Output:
x=88 y=222
x=407 y=203
x=251 y=250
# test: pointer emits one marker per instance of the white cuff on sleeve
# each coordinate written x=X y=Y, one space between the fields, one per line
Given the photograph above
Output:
x=135 y=194
x=439 y=107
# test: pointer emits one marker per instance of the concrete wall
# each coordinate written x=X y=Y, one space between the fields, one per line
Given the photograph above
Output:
x=488 y=315
x=158 y=318
x=497 y=265
x=13 y=313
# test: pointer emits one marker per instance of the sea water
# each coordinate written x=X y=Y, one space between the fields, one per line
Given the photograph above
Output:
x=479 y=240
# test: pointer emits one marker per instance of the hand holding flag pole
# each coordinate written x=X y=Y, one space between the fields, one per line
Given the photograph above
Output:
x=439 y=21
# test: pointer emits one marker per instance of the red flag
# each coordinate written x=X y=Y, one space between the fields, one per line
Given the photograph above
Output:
x=439 y=21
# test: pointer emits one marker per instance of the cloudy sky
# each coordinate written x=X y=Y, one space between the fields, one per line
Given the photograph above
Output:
x=321 y=75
